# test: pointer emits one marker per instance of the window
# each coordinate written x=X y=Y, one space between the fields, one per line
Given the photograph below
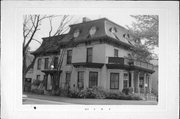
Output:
x=129 y=79
x=93 y=79
x=141 y=82
x=76 y=33
x=55 y=62
x=114 y=81
x=92 y=31
x=68 y=77
x=80 y=81
x=38 y=77
x=113 y=30
x=39 y=64
x=89 y=54
x=115 y=52
x=46 y=63
x=125 y=81
x=69 y=56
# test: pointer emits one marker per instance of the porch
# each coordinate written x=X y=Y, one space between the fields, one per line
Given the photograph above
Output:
x=138 y=76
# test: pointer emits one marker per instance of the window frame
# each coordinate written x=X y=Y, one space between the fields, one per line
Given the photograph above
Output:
x=54 y=62
x=69 y=57
x=96 y=84
x=89 y=56
x=80 y=80
x=39 y=63
x=114 y=81
x=116 y=55
x=125 y=80
x=46 y=64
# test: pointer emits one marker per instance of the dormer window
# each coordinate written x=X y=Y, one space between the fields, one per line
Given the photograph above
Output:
x=92 y=31
x=113 y=30
x=126 y=35
x=76 y=33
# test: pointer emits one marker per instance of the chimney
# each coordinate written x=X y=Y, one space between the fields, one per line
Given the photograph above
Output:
x=85 y=19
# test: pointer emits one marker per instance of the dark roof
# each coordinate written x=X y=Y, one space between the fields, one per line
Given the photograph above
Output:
x=49 y=44
x=103 y=30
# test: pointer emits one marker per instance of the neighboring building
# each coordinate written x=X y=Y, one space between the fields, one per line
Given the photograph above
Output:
x=29 y=75
x=96 y=53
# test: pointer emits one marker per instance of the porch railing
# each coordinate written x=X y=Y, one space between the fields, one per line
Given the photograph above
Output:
x=130 y=62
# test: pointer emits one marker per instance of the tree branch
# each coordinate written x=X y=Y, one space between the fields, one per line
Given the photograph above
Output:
x=50 y=21
x=35 y=29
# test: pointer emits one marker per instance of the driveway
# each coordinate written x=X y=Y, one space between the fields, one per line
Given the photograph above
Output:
x=57 y=100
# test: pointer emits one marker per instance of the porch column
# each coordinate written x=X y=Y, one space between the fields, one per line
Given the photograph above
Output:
x=144 y=83
x=149 y=83
x=132 y=80
x=49 y=82
x=46 y=80
x=138 y=89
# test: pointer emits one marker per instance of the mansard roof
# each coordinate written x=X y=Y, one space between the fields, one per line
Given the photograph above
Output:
x=49 y=45
x=105 y=29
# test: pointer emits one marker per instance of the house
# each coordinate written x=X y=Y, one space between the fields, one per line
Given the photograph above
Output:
x=93 y=53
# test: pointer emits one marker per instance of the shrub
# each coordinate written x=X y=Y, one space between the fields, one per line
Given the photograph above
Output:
x=37 y=91
x=127 y=91
x=36 y=82
x=97 y=92
x=73 y=94
x=86 y=93
x=122 y=96
x=114 y=95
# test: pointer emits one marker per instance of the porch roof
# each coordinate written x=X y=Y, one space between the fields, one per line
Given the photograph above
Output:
x=88 y=65
x=127 y=67
x=51 y=71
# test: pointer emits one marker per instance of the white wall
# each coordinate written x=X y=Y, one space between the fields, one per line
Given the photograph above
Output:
x=109 y=52
x=80 y=53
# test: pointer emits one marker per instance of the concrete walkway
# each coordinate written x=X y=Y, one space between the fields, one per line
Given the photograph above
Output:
x=67 y=100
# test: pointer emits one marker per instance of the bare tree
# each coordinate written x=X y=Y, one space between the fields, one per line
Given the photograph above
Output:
x=31 y=25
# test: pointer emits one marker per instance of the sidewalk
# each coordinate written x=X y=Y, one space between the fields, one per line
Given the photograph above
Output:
x=90 y=101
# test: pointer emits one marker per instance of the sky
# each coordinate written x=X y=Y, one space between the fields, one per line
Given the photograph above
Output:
x=122 y=20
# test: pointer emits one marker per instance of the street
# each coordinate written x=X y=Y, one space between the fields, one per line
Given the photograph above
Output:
x=57 y=100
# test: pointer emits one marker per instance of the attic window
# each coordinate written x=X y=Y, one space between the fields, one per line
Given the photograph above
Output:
x=92 y=31
x=76 y=33
x=113 y=30
x=126 y=35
